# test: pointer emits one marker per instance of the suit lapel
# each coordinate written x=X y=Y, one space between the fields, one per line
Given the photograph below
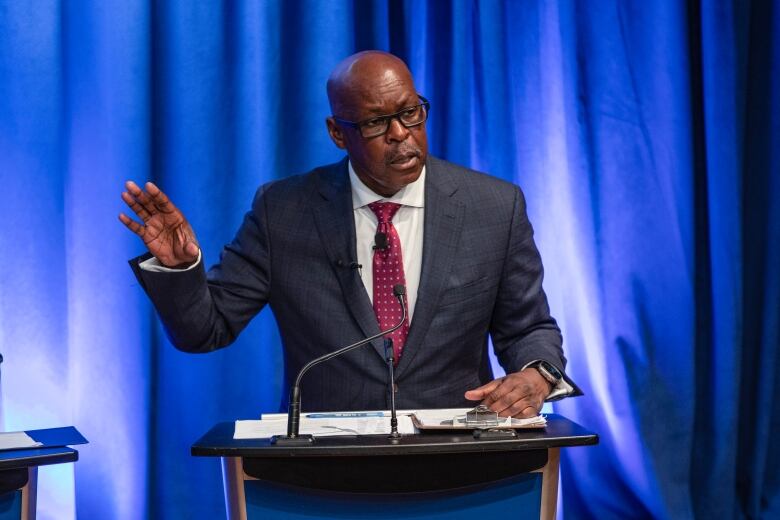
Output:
x=332 y=216
x=443 y=224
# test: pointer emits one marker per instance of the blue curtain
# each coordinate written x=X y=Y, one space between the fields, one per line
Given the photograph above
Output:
x=646 y=136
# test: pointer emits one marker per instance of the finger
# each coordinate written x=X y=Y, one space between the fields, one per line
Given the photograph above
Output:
x=505 y=395
x=514 y=390
x=141 y=197
x=134 y=205
x=159 y=199
x=479 y=393
x=509 y=402
x=521 y=408
x=188 y=246
x=526 y=413
x=530 y=410
x=527 y=406
x=132 y=225
x=192 y=249
x=132 y=188
x=530 y=407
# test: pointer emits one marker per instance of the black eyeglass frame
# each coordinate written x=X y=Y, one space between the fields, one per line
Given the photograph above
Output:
x=426 y=105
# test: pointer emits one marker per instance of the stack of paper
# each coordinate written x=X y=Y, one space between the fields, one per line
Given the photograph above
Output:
x=17 y=440
x=327 y=424
x=324 y=425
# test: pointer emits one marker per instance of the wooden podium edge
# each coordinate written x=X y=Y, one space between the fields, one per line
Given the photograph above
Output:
x=233 y=481
x=29 y=494
x=549 y=473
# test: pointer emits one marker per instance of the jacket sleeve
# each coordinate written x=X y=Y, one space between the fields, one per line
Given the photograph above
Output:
x=521 y=327
x=203 y=311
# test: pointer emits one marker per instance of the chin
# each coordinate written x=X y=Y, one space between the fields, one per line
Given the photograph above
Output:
x=415 y=175
x=413 y=170
x=408 y=177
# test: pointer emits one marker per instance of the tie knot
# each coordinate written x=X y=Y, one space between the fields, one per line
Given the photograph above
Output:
x=384 y=211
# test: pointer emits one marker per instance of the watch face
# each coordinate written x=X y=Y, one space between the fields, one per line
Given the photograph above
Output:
x=549 y=370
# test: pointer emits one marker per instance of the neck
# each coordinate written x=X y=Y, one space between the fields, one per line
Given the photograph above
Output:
x=372 y=185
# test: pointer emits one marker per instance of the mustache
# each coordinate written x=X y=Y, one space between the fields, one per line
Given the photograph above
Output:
x=402 y=153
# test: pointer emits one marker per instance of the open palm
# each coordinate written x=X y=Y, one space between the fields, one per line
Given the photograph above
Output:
x=165 y=231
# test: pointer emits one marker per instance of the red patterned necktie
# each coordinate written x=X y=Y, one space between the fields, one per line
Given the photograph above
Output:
x=388 y=270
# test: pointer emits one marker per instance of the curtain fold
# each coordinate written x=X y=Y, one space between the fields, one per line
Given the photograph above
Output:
x=644 y=134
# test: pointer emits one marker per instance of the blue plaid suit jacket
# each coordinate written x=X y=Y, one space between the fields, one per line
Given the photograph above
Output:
x=481 y=276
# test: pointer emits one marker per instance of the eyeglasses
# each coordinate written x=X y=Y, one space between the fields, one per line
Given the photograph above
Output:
x=376 y=126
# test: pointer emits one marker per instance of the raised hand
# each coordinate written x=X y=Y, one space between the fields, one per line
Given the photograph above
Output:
x=519 y=394
x=165 y=231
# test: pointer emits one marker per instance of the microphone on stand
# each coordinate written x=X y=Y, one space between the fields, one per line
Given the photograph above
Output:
x=293 y=438
x=390 y=357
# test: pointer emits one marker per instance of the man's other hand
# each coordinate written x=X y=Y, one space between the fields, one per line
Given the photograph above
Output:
x=165 y=231
x=520 y=394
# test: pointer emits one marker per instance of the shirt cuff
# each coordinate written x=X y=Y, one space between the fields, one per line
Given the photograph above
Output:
x=153 y=265
x=562 y=389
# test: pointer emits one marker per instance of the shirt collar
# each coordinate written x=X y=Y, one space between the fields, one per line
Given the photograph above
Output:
x=410 y=195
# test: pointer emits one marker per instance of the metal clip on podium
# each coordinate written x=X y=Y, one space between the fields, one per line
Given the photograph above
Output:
x=484 y=421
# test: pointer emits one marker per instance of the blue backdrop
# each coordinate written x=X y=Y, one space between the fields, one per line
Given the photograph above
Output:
x=646 y=136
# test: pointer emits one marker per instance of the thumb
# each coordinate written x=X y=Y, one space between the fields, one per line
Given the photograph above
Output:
x=192 y=249
x=479 y=393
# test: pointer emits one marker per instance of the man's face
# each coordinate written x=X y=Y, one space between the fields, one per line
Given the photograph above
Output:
x=388 y=162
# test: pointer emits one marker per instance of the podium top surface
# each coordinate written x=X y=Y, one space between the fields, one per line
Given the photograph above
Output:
x=26 y=458
x=560 y=432
x=54 y=450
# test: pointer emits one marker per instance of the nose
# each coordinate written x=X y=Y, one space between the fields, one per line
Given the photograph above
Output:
x=397 y=131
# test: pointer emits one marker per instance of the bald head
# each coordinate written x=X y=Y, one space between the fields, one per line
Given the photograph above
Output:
x=360 y=75
x=374 y=87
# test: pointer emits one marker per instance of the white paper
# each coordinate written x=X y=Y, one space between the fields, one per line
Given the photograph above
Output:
x=322 y=427
x=378 y=413
x=17 y=440
x=370 y=422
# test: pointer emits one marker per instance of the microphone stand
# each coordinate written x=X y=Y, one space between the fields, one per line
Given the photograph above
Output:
x=293 y=438
x=390 y=355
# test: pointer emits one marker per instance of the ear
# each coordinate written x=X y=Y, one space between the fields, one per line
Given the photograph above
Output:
x=335 y=132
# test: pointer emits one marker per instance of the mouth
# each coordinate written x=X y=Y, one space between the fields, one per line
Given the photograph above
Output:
x=406 y=160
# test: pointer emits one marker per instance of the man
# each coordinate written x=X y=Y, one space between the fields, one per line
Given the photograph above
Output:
x=325 y=249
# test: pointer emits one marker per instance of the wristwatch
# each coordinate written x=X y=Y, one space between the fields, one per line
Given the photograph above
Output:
x=548 y=371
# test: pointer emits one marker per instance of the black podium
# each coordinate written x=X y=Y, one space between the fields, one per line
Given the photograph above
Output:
x=19 y=469
x=428 y=475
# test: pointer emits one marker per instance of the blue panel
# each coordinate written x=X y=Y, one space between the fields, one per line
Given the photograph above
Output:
x=520 y=496
x=11 y=505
